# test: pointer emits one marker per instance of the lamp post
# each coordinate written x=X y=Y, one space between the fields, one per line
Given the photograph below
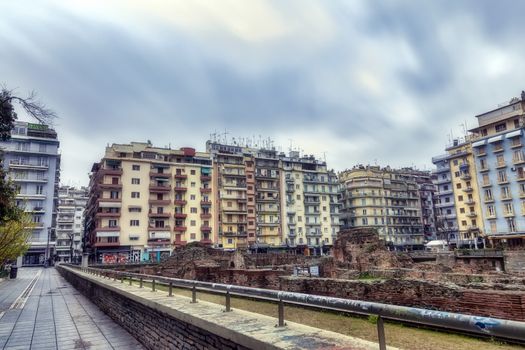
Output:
x=46 y=261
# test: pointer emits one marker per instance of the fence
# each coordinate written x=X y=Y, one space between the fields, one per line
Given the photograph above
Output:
x=487 y=326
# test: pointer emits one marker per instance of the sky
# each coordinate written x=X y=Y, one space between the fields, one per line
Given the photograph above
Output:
x=354 y=82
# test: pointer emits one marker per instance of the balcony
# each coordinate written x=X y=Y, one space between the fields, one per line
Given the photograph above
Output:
x=488 y=200
x=159 y=201
x=107 y=229
x=163 y=228
x=465 y=176
x=498 y=148
x=180 y=215
x=488 y=184
x=109 y=186
x=484 y=169
x=105 y=243
x=500 y=165
x=205 y=178
x=179 y=228
x=516 y=143
x=507 y=197
x=159 y=235
x=159 y=215
x=518 y=160
x=159 y=175
x=205 y=190
x=205 y=203
x=180 y=176
x=107 y=215
x=180 y=189
x=159 y=188
x=470 y=201
x=17 y=164
x=206 y=228
x=508 y=214
x=179 y=243
x=472 y=214
x=179 y=202
x=206 y=216
x=503 y=181
x=111 y=171
x=468 y=189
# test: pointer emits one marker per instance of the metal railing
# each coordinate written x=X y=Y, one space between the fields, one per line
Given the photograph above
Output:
x=486 y=326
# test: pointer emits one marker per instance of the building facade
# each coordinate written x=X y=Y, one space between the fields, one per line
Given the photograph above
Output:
x=386 y=199
x=32 y=161
x=498 y=142
x=70 y=226
x=267 y=200
x=144 y=201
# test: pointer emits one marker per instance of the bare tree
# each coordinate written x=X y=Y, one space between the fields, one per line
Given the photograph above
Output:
x=30 y=104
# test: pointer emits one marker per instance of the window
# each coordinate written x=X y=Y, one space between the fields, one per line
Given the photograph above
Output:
x=445 y=188
x=460 y=198
x=135 y=210
x=193 y=210
x=192 y=184
x=133 y=222
x=192 y=172
x=505 y=193
x=462 y=210
x=509 y=209
x=135 y=181
x=42 y=148
x=230 y=240
x=457 y=173
x=500 y=160
x=112 y=223
x=502 y=176
x=488 y=195
x=455 y=162
x=516 y=123
x=193 y=223
x=135 y=194
x=512 y=225
x=39 y=189
x=464 y=223
x=493 y=226
x=114 y=194
x=483 y=164
x=135 y=167
x=517 y=157
x=192 y=235
x=298 y=197
x=133 y=238
x=486 y=180
x=501 y=127
x=458 y=185
x=490 y=210
x=192 y=197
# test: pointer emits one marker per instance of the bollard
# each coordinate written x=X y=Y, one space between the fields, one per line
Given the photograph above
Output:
x=381 y=333
x=171 y=289
x=141 y=283
x=130 y=280
x=228 y=302
x=121 y=279
x=153 y=285
x=280 y=312
x=193 y=294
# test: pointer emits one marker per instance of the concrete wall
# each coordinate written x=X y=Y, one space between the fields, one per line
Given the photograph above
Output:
x=514 y=261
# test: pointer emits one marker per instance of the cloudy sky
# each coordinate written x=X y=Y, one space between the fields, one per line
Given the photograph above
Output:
x=357 y=81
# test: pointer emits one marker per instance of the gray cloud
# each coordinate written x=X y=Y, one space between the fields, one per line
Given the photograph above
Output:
x=385 y=81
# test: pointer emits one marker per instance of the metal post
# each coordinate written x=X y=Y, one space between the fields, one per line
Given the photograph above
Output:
x=115 y=277
x=228 y=302
x=153 y=285
x=141 y=283
x=130 y=280
x=281 y=313
x=171 y=289
x=381 y=333
x=193 y=294
x=121 y=279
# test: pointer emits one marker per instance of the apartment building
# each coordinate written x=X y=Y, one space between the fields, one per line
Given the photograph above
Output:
x=497 y=142
x=385 y=199
x=144 y=201
x=267 y=200
x=32 y=161
x=444 y=203
x=70 y=226
x=310 y=207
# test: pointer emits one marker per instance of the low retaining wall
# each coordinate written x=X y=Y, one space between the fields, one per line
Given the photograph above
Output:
x=154 y=329
x=162 y=322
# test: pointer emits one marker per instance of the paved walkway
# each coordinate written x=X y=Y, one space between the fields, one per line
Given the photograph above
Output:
x=40 y=310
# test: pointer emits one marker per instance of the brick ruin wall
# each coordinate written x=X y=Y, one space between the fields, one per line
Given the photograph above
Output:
x=422 y=294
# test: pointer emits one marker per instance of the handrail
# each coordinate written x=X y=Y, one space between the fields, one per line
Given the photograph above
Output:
x=487 y=326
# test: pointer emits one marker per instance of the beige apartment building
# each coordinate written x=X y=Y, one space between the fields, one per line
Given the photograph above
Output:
x=310 y=208
x=144 y=201
x=385 y=199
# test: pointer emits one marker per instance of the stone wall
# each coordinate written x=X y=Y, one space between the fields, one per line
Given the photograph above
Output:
x=422 y=294
x=514 y=261
x=154 y=329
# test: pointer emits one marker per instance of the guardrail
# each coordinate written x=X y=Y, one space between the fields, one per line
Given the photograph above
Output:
x=487 y=326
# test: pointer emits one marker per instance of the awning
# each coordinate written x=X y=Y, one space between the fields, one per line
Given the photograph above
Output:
x=495 y=139
x=108 y=234
x=513 y=134
x=478 y=143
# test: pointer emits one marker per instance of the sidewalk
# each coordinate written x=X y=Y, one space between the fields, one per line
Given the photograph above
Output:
x=40 y=310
